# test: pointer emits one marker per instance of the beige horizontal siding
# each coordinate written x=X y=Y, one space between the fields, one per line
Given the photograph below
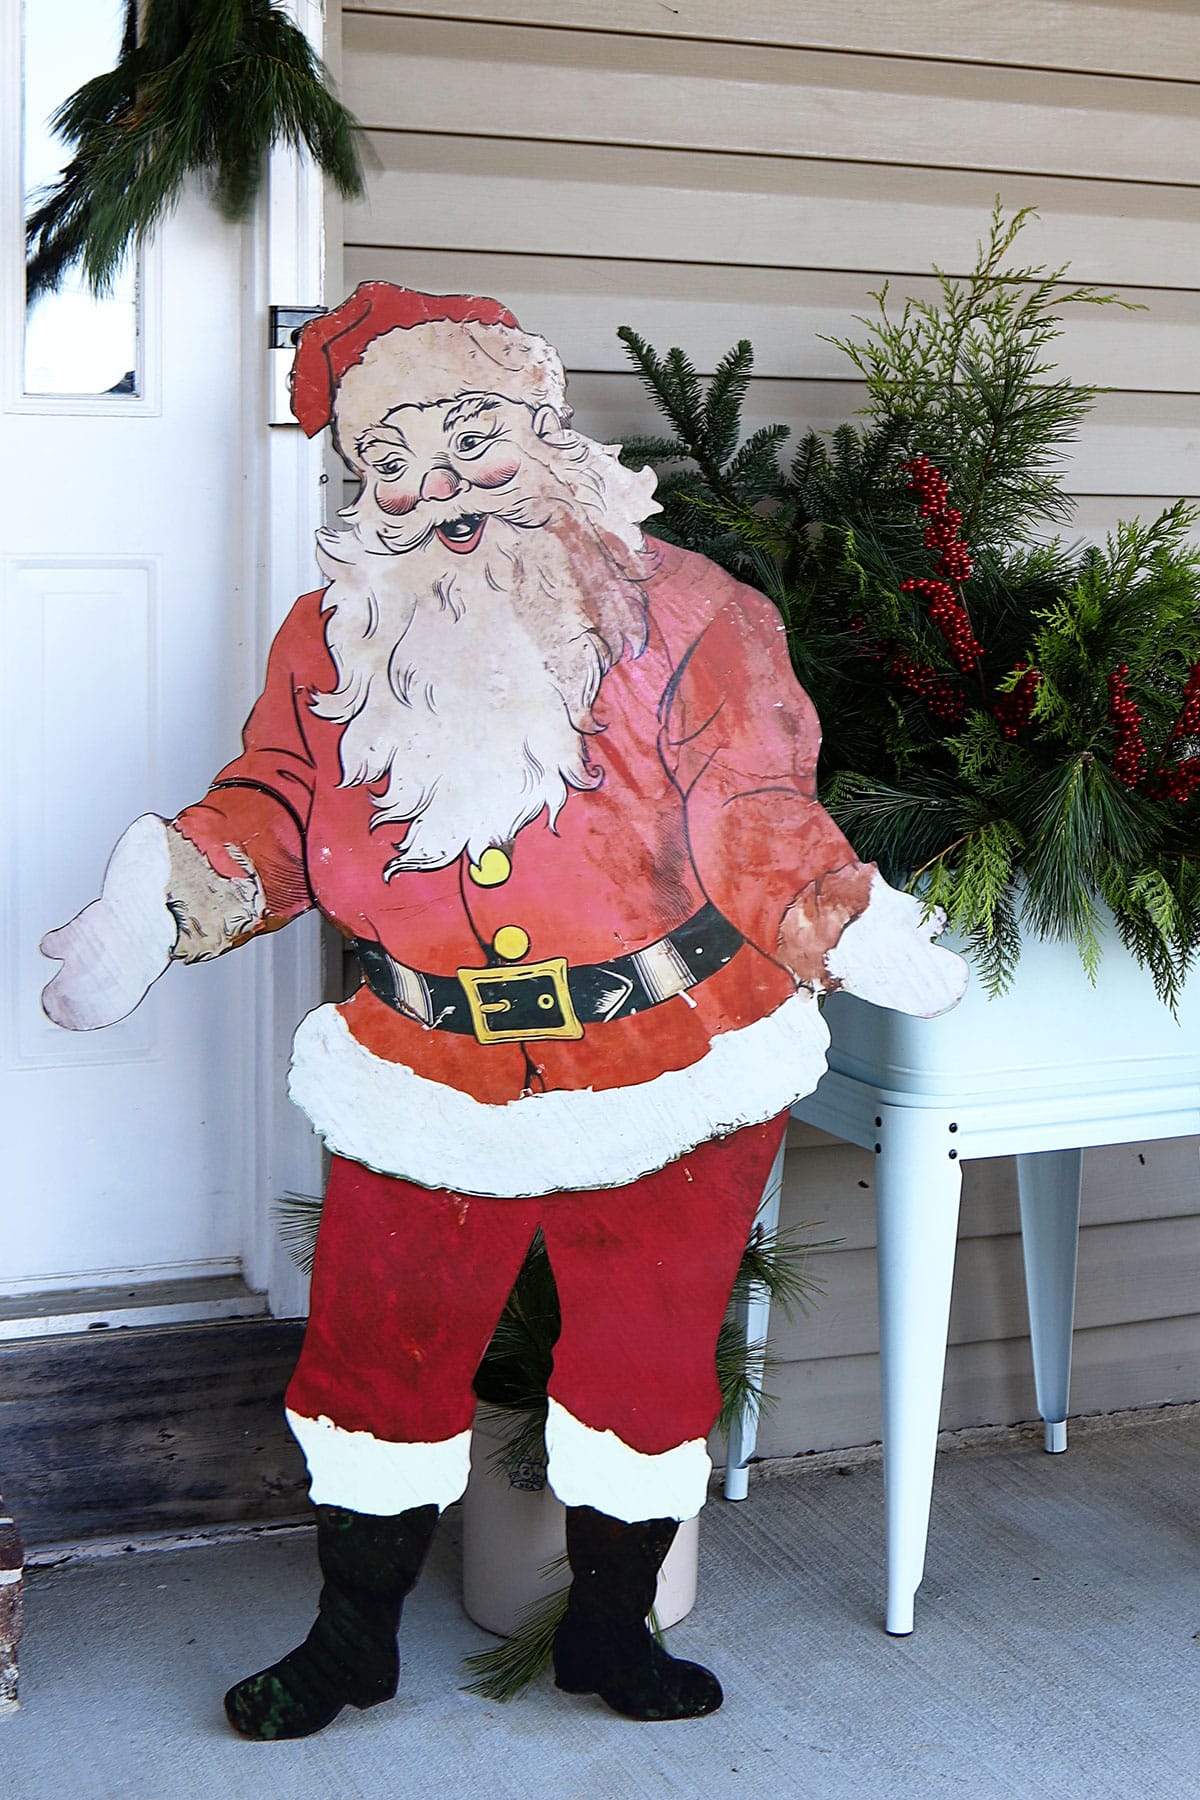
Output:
x=1165 y=1172
x=735 y=235
x=789 y=317
x=833 y=1403
x=1136 y=1339
x=608 y=89
x=570 y=199
x=705 y=172
x=1155 y=1260
x=1155 y=440
x=1160 y=40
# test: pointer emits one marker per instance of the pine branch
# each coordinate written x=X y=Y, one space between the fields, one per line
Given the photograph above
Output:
x=297 y=1217
x=208 y=89
x=507 y=1670
x=743 y=1370
x=722 y=410
x=636 y=451
x=510 y=1667
x=520 y=1425
x=707 y=431
x=901 y=829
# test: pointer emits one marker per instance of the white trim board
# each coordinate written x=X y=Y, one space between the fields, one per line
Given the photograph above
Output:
x=61 y=1311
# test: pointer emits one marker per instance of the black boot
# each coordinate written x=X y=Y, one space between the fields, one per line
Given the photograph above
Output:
x=349 y=1658
x=603 y=1645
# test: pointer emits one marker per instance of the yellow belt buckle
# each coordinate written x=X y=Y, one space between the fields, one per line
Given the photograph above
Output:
x=535 y=988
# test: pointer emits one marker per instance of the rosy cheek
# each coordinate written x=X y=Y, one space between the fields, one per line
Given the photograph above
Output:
x=495 y=474
x=393 y=499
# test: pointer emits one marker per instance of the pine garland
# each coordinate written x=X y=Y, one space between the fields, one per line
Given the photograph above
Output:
x=1012 y=722
x=206 y=87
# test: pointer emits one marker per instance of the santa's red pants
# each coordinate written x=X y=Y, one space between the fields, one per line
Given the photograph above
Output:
x=409 y=1283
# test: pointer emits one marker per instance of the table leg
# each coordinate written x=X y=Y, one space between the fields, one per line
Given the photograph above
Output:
x=753 y=1318
x=918 y=1182
x=1049 y=1182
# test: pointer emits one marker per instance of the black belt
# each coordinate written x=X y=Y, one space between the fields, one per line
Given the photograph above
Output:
x=509 y=1002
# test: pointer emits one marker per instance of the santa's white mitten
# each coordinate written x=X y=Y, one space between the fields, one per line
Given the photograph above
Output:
x=887 y=955
x=115 y=948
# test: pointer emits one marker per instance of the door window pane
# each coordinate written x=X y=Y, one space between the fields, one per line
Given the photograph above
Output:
x=74 y=342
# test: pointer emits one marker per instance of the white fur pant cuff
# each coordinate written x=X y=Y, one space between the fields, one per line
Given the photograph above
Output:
x=594 y=1468
x=367 y=1474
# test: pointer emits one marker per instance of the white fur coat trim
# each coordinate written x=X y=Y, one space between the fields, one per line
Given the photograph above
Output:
x=388 y=1117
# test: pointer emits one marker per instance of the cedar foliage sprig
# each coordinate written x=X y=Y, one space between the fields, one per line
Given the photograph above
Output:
x=1012 y=722
x=204 y=87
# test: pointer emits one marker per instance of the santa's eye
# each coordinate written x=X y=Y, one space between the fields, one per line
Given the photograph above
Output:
x=391 y=468
x=473 y=443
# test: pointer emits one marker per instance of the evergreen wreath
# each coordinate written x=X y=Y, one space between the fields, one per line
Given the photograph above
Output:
x=1012 y=722
x=202 y=87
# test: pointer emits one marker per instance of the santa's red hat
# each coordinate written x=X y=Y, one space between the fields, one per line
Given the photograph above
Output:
x=388 y=346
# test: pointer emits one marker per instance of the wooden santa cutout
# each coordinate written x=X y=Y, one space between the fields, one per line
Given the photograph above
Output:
x=556 y=782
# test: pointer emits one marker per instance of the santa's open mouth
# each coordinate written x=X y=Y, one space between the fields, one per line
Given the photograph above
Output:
x=462 y=534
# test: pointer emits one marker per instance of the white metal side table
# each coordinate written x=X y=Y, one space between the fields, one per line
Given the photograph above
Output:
x=1052 y=1067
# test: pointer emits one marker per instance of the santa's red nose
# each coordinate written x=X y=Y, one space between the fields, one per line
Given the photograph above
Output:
x=440 y=484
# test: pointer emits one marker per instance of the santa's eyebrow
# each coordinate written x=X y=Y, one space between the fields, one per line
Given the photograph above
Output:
x=469 y=408
x=388 y=437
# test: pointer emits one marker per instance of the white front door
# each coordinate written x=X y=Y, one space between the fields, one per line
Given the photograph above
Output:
x=133 y=636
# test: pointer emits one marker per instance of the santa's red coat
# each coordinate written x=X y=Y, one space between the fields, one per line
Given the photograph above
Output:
x=709 y=750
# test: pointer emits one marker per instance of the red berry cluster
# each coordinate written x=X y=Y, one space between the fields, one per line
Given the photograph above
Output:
x=950 y=616
x=1015 y=708
x=935 y=691
x=1177 y=783
x=928 y=483
x=942 y=526
x=1131 y=751
x=942 y=522
x=1182 y=779
x=1188 y=723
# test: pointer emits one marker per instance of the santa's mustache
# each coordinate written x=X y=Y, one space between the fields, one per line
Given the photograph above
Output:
x=528 y=514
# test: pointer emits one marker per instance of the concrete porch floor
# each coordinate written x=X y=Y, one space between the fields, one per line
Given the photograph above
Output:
x=1057 y=1653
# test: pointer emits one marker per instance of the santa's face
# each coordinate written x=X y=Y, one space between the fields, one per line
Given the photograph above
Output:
x=444 y=471
x=488 y=578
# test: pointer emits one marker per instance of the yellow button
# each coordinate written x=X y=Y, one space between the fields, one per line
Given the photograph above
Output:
x=510 y=942
x=492 y=870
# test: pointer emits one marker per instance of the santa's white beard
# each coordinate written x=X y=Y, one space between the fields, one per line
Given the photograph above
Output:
x=467 y=682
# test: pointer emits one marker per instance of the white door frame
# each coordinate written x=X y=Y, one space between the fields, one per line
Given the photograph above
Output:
x=285 y=504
